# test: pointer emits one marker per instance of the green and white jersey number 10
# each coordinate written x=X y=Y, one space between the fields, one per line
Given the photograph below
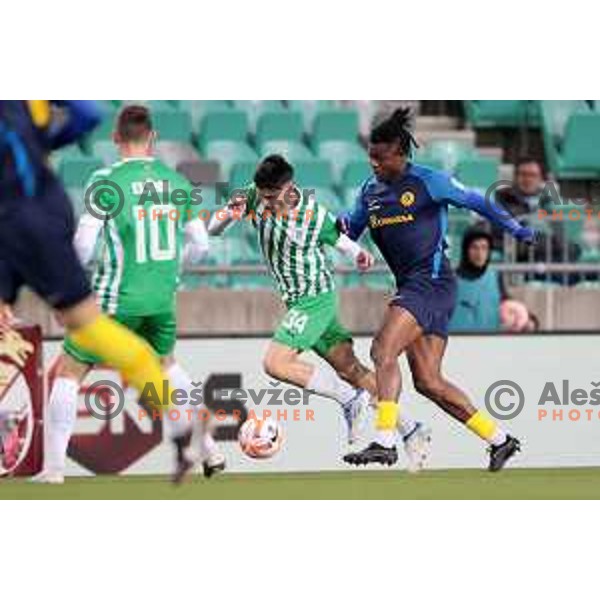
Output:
x=155 y=235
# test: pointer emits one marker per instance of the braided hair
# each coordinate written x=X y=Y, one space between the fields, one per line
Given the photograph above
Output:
x=396 y=128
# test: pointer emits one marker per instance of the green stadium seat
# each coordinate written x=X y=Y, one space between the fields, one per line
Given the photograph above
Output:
x=255 y=108
x=105 y=130
x=75 y=172
x=198 y=108
x=340 y=124
x=555 y=115
x=172 y=125
x=313 y=173
x=292 y=151
x=355 y=173
x=329 y=199
x=228 y=153
x=309 y=109
x=502 y=113
x=106 y=151
x=478 y=172
x=230 y=125
x=448 y=152
x=580 y=155
x=279 y=125
x=242 y=173
x=340 y=154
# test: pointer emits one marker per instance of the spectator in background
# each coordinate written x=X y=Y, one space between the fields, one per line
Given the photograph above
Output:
x=482 y=301
x=528 y=193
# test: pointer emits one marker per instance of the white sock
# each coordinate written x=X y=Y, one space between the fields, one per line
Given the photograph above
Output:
x=62 y=413
x=499 y=437
x=177 y=420
x=386 y=437
x=405 y=424
x=326 y=382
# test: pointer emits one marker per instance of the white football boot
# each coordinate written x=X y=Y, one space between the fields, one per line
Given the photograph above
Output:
x=417 y=445
x=51 y=477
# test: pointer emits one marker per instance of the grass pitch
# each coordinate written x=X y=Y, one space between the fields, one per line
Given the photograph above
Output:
x=376 y=485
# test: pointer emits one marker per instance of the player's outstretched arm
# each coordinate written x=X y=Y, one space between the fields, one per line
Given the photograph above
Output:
x=222 y=219
x=362 y=258
x=442 y=187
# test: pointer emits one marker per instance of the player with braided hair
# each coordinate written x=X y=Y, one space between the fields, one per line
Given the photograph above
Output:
x=405 y=207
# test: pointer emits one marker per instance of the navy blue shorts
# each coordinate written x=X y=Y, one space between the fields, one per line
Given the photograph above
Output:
x=36 y=246
x=430 y=301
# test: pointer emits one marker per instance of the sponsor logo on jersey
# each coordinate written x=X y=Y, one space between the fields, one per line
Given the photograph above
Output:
x=376 y=222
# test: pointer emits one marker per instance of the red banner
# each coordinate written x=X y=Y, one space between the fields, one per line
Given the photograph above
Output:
x=21 y=401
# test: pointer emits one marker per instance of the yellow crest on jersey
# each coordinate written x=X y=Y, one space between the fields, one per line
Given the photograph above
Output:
x=407 y=199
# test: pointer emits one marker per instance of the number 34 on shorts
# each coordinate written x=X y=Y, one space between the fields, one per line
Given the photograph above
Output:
x=295 y=321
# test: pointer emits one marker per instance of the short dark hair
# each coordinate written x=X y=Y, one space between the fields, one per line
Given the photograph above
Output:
x=273 y=172
x=134 y=123
x=396 y=128
x=529 y=160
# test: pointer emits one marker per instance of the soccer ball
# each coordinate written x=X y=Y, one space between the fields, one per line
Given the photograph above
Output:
x=260 y=438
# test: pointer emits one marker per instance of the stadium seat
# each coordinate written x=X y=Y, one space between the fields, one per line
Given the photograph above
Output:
x=229 y=153
x=329 y=199
x=502 y=113
x=355 y=173
x=279 y=125
x=580 y=156
x=478 y=172
x=172 y=125
x=340 y=154
x=75 y=172
x=341 y=124
x=198 y=108
x=309 y=109
x=106 y=151
x=105 y=130
x=231 y=125
x=313 y=173
x=172 y=152
x=292 y=151
x=555 y=115
x=255 y=108
x=242 y=173
x=448 y=152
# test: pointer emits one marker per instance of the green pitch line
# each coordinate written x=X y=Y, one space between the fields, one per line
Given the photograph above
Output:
x=453 y=484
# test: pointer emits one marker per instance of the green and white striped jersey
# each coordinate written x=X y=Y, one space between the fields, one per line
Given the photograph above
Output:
x=138 y=262
x=293 y=245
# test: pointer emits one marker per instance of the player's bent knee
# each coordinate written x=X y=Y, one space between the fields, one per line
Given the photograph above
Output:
x=274 y=366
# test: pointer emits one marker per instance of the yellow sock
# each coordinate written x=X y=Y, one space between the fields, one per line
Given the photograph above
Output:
x=40 y=112
x=387 y=415
x=483 y=426
x=132 y=357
